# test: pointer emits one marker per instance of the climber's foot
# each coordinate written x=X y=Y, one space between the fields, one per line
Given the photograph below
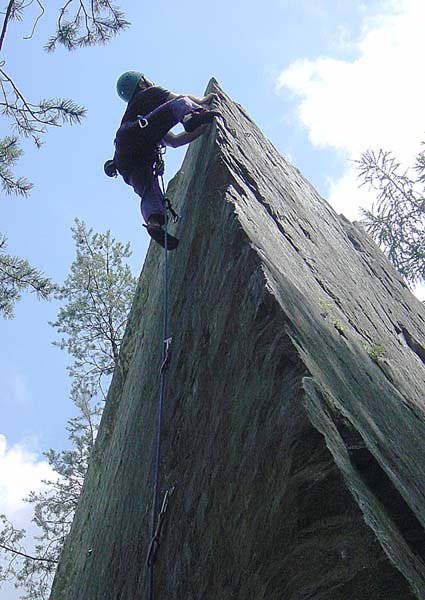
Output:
x=157 y=233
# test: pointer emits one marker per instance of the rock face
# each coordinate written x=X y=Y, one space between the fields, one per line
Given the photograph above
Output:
x=294 y=420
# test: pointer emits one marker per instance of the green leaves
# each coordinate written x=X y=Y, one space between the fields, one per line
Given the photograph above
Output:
x=33 y=572
x=29 y=119
x=10 y=152
x=397 y=218
x=16 y=276
x=80 y=23
x=98 y=291
x=86 y=24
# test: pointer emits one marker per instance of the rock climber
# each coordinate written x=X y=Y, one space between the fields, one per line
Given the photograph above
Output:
x=152 y=111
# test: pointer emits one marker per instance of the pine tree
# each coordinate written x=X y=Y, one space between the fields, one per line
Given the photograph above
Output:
x=16 y=276
x=396 y=220
x=97 y=295
x=80 y=23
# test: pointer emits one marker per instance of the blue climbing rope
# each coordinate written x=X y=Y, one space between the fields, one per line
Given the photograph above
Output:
x=156 y=526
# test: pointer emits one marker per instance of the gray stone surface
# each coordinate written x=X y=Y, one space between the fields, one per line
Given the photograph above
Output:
x=294 y=419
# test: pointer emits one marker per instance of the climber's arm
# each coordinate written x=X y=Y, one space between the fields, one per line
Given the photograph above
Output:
x=175 y=140
x=198 y=99
x=204 y=99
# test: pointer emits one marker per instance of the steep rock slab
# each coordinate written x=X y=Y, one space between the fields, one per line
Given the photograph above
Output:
x=293 y=434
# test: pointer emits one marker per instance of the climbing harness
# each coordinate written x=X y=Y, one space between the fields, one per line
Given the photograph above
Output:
x=157 y=523
x=158 y=170
x=142 y=121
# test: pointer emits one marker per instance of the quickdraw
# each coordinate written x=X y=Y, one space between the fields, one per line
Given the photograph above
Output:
x=158 y=170
x=159 y=162
x=175 y=217
x=156 y=538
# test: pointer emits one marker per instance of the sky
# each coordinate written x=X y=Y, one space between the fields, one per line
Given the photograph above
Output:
x=324 y=80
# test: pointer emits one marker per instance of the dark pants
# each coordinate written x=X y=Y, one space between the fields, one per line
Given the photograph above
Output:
x=141 y=177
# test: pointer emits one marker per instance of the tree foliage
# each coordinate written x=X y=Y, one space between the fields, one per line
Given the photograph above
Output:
x=17 y=275
x=10 y=152
x=396 y=220
x=31 y=572
x=87 y=23
x=97 y=294
x=79 y=23
x=54 y=507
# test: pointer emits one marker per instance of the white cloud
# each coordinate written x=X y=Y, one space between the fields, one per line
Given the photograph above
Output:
x=21 y=470
x=375 y=100
x=346 y=197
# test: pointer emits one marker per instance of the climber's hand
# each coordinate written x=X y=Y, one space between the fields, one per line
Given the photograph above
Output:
x=210 y=98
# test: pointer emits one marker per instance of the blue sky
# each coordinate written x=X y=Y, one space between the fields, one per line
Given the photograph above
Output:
x=317 y=77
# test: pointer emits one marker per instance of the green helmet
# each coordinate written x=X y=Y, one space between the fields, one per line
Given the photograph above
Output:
x=127 y=84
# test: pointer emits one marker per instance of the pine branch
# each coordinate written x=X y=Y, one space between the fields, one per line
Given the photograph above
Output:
x=24 y=555
x=30 y=119
x=396 y=220
x=40 y=16
x=17 y=275
x=95 y=25
x=103 y=20
x=7 y=18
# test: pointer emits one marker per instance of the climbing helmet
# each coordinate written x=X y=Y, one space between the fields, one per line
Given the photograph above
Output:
x=127 y=84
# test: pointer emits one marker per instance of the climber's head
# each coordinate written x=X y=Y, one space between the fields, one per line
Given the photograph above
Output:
x=129 y=82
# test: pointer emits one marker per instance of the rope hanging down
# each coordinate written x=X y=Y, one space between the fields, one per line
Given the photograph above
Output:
x=166 y=345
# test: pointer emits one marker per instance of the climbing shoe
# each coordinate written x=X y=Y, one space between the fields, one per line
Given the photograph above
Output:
x=199 y=117
x=158 y=234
